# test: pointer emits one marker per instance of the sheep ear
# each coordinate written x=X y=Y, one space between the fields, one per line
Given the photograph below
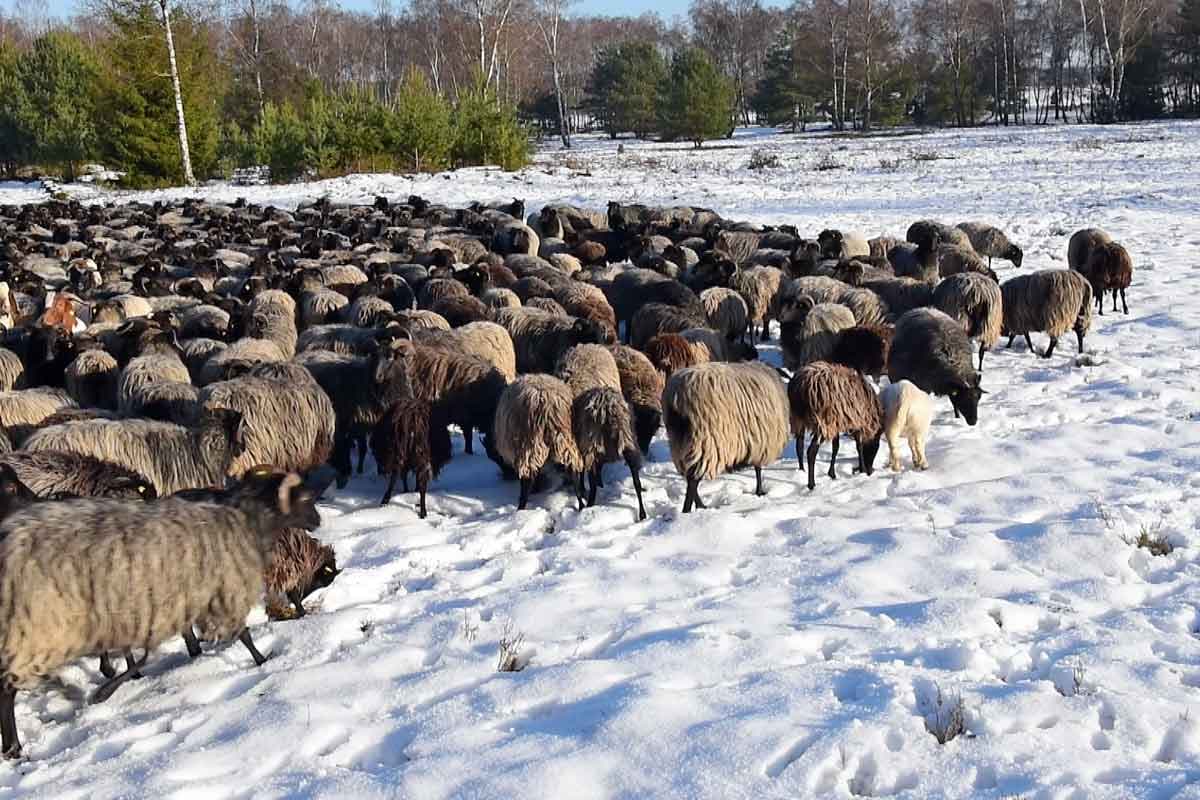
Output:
x=287 y=487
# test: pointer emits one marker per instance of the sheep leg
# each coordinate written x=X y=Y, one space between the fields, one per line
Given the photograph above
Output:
x=759 y=491
x=244 y=638
x=1100 y=302
x=1050 y=349
x=1079 y=339
x=1029 y=343
x=8 y=722
x=833 y=444
x=956 y=414
x=193 y=644
x=917 y=446
x=1124 y=305
x=404 y=480
x=523 y=500
x=293 y=596
x=106 y=691
x=1010 y=341
x=591 y=498
x=106 y=667
x=340 y=459
x=468 y=439
x=422 y=490
x=813 y=447
x=982 y=350
x=893 y=442
x=360 y=442
x=800 y=451
x=637 y=487
x=599 y=475
x=387 y=493
x=131 y=664
x=861 y=469
x=691 y=496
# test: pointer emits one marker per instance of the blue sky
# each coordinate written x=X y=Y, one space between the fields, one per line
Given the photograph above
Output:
x=665 y=8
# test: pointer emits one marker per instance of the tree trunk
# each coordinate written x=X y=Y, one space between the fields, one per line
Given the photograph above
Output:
x=185 y=155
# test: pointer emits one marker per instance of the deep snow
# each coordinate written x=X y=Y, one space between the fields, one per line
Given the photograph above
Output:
x=787 y=646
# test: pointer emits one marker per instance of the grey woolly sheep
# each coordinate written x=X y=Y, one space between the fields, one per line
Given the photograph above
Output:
x=670 y=352
x=838 y=245
x=566 y=263
x=166 y=401
x=49 y=474
x=421 y=320
x=121 y=308
x=272 y=318
x=411 y=436
x=829 y=400
x=533 y=429
x=809 y=332
x=907 y=413
x=142 y=372
x=530 y=287
x=758 y=287
x=540 y=338
x=196 y=352
x=726 y=311
x=485 y=340
x=26 y=408
x=931 y=350
x=171 y=456
x=367 y=312
x=880 y=246
x=602 y=424
x=515 y=238
x=320 y=306
x=973 y=300
x=588 y=366
x=339 y=338
x=91 y=379
x=586 y=302
x=204 y=321
x=64 y=596
x=868 y=308
x=436 y=289
x=931 y=233
x=954 y=259
x=468 y=387
x=642 y=387
x=901 y=294
x=739 y=247
x=297 y=566
x=237 y=358
x=988 y=240
x=724 y=416
x=12 y=371
x=919 y=261
x=289 y=419
x=342 y=275
x=654 y=319
x=1105 y=263
x=631 y=289
x=500 y=298
x=1052 y=301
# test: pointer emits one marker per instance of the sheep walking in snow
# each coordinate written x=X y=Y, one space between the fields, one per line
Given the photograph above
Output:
x=990 y=241
x=412 y=436
x=723 y=416
x=829 y=400
x=932 y=350
x=1105 y=263
x=533 y=429
x=975 y=301
x=907 y=414
x=1052 y=301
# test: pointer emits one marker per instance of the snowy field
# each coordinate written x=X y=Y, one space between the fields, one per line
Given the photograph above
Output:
x=788 y=646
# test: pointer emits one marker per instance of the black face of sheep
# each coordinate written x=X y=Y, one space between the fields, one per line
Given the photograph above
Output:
x=832 y=243
x=646 y=422
x=475 y=278
x=392 y=362
x=132 y=488
x=741 y=351
x=585 y=331
x=867 y=451
x=14 y=495
x=1015 y=255
x=965 y=400
x=323 y=577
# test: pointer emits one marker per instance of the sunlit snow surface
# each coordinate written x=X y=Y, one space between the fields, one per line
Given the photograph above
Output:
x=787 y=646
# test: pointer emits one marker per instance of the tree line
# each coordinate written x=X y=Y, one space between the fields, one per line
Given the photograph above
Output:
x=164 y=90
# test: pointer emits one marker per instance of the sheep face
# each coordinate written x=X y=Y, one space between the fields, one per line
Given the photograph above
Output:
x=805 y=257
x=585 y=331
x=832 y=244
x=475 y=278
x=870 y=449
x=646 y=422
x=393 y=364
x=14 y=495
x=1014 y=254
x=131 y=489
x=323 y=577
x=965 y=400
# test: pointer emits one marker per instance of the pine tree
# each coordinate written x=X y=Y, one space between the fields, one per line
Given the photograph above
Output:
x=624 y=88
x=697 y=101
x=58 y=86
x=488 y=130
x=784 y=96
x=1185 y=42
x=421 y=136
x=280 y=141
x=16 y=142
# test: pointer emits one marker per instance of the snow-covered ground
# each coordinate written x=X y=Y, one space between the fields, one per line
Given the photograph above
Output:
x=787 y=646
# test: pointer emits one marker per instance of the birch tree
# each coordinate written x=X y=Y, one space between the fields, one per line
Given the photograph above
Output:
x=548 y=17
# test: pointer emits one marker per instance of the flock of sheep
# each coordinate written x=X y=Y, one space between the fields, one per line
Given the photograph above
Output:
x=175 y=379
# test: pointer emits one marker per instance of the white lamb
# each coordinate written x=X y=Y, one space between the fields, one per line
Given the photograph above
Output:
x=907 y=412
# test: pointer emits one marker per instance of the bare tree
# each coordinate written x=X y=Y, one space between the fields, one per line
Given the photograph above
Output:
x=549 y=16
x=185 y=155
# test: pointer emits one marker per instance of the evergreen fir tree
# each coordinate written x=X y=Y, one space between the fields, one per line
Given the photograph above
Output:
x=697 y=101
x=422 y=136
x=625 y=86
x=488 y=131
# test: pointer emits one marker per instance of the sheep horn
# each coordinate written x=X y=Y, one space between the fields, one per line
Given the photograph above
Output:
x=289 y=482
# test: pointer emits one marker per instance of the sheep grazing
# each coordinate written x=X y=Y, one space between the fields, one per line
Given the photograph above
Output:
x=540 y=338
x=485 y=340
x=829 y=400
x=603 y=427
x=587 y=366
x=91 y=379
x=1052 y=301
x=838 y=245
x=907 y=414
x=953 y=259
x=64 y=596
x=411 y=436
x=975 y=301
x=533 y=429
x=654 y=319
x=642 y=387
x=171 y=456
x=932 y=350
x=809 y=331
x=721 y=417
x=757 y=286
x=50 y=474
x=931 y=233
x=298 y=566
x=990 y=241
x=1105 y=263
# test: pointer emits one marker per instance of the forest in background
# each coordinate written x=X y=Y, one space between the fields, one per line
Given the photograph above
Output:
x=171 y=92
